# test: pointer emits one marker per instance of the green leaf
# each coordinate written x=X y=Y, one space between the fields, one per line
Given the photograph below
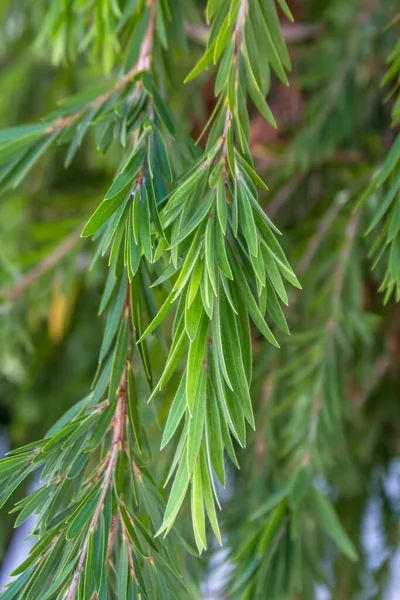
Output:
x=286 y=10
x=163 y=112
x=133 y=408
x=251 y=303
x=120 y=356
x=248 y=224
x=22 y=131
x=218 y=346
x=176 y=412
x=122 y=574
x=28 y=160
x=80 y=130
x=390 y=163
x=275 y=277
x=197 y=359
x=8 y=466
x=113 y=319
x=183 y=191
x=144 y=222
x=324 y=513
x=209 y=246
x=131 y=531
x=203 y=64
x=274 y=309
x=274 y=27
x=90 y=567
x=198 y=517
x=106 y=209
x=176 y=352
x=32 y=504
x=162 y=154
x=176 y=497
x=220 y=251
x=208 y=497
x=221 y=205
x=162 y=313
x=126 y=177
x=273 y=56
x=257 y=96
x=193 y=222
x=215 y=444
x=83 y=514
x=197 y=421
x=192 y=316
x=385 y=204
x=195 y=282
x=235 y=364
x=224 y=68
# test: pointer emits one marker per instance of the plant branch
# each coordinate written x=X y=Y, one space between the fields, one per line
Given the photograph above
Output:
x=118 y=439
x=238 y=34
x=13 y=293
x=143 y=64
x=116 y=447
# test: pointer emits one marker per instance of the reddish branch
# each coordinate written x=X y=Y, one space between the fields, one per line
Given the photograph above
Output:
x=118 y=439
x=116 y=447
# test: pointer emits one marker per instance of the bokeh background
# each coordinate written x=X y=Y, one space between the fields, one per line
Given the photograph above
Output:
x=333 y=133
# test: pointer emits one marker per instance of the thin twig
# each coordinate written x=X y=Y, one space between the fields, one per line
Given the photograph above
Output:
x=13 y=293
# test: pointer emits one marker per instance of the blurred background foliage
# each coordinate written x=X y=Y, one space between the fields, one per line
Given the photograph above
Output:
x=333 y=133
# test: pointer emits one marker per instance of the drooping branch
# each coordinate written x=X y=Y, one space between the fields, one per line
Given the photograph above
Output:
x=116 y=447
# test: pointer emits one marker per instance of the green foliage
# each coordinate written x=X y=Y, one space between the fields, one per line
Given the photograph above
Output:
x=384 y=195
x=194 y=302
